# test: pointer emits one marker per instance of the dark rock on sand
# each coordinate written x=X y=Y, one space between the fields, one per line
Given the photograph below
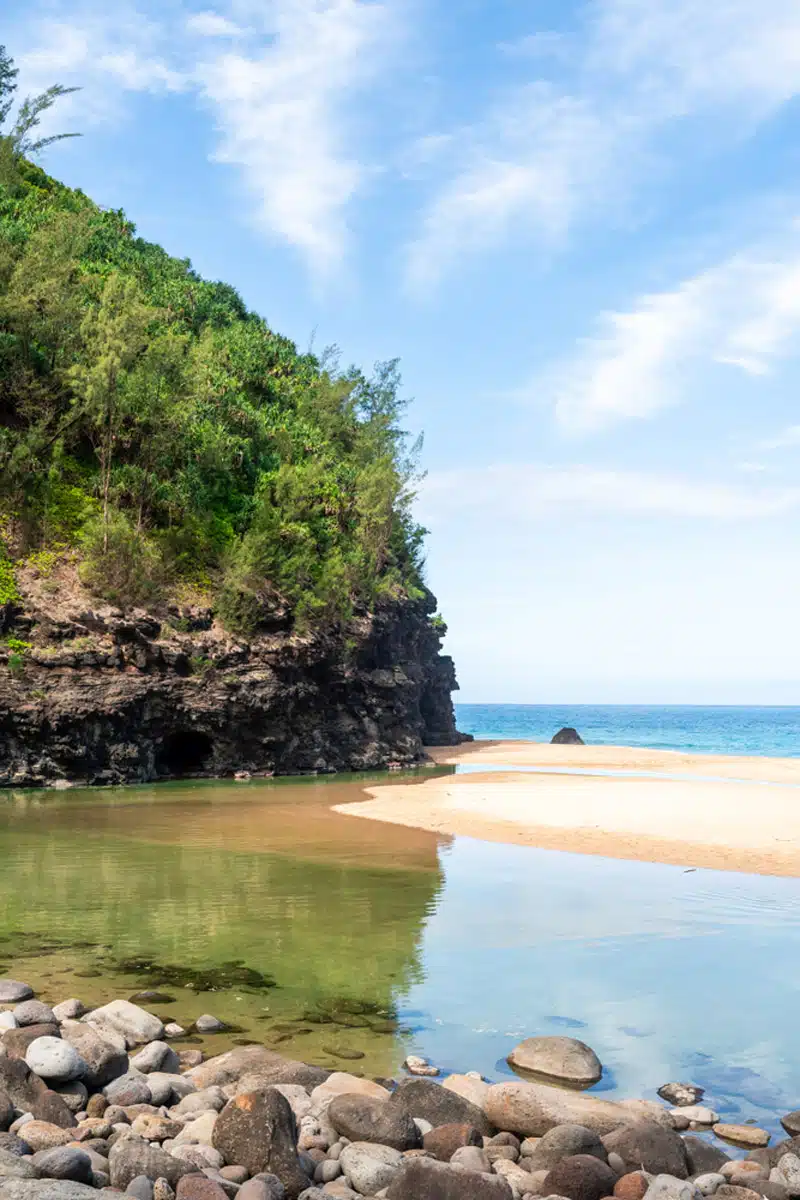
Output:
x=645 y=1145
x=567 y=737
x=440 y=1106
x=580 y=1177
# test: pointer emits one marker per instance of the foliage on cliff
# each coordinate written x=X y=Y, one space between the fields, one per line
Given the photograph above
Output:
x=152 y=423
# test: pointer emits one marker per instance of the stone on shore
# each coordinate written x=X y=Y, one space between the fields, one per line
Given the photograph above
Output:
x=14 y=992
x=228 y=1068
x=787 y=1172
x=791 y=1123
x=567 y=737
x=698 y=1114
x=33 y=1012
x=54 y=1059
x=131 y=1156
x=679 y=1094
x=416 y=1065
x=75 y=1095
x=470 y=1087
x=104 y=1053
x=633 y=1186
x=41 y=1135
x=580 y=1177
x=209 y=1024
x=648 y=1146
x=15 y=1166
x=64 y=1162
x=563 y=1058
x=198 y=1187
x=365 y=1119
x=667 y=1187
x=532 y=1108
x=443 y=1141
x=257 y=1131
x=565 y=1141
x=341 y=1083
x=68 y=1010
x=440 y=1106
x=743 y=1135
x=134 y=1024
x=17 y=1041
x=701 y=1157
x=370 y=1168
x=156 y=1056
x=132 y=1088
x=426 y=1179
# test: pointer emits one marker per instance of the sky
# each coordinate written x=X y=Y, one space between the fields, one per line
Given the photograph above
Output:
x=578 y=226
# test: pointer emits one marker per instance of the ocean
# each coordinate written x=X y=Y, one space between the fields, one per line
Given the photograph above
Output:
x=773 y=731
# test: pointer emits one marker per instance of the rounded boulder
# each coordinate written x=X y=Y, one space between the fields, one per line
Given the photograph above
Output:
x=562 y=1058
x=580 y=1177
x=54 y=1059
x=365 y=1119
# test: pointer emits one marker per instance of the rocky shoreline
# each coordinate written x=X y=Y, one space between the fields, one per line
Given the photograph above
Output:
x=114 y=1102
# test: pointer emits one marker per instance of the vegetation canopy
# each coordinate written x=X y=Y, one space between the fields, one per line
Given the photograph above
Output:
x=166 y=435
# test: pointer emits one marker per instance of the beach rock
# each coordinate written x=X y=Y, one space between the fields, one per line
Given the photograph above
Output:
x=470 y=1087
x=667 y=1187
x=156 y=1056
x=787 y=1173
x=14 y=992
x=17 y=1041
x=415 y=1065
x=701 y=1157
x=68 y=1010
x=41 y=1135
x=197 y=1187
x=209 y=1024
x=341 y=1083
x=365 y=1119
x=33 y=1012
x=532 y=1109
x=105 y=1054
x=742 y=1135
x=228 y=1068
x=369 y=1167
x=426 y=1179
x=791 y=1123
x=130 y=1157
x=565 y=1141
x=257 y=1131
x=199 y=1102
x=265 y=1188
x=632 y=1186
x=64 y=1162
x=134 y=1024
x=16 y=1166
x=46 y=1189
x=443 y=1141
x=74 y=1094
x=53 y=1059
x=580 y=1177
x=141 y=1188
x=10 y=1143
x=562 y=1058
x=567 y=737
x=128 y=1089
x=698 y=1114
x=679 y=1094
x=649 y=1147
x=440 y=1106
x=707 y=1184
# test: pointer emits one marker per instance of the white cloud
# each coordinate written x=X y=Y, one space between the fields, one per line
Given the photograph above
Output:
x=546 y=156
x=786 y=438
x=211 y=24
x=743 y=313
x=530 y=491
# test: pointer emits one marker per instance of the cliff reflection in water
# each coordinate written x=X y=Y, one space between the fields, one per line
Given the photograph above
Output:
x=197 y=875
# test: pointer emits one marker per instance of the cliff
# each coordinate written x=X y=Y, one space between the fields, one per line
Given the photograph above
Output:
x=99 y=696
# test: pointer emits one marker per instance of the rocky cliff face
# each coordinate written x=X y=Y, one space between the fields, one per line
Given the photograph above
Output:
x=101 y=696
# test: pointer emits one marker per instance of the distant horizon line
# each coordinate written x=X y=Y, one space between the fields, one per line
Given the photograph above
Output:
x=609 y=704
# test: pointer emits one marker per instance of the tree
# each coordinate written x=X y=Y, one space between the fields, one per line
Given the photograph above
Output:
x=20 y=140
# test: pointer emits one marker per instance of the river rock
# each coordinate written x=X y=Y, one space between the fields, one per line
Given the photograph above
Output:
x=632 y=1186
x=426 y=1179
x=679 y=1094
x=565 y=1141
x=257 y=1131
x=209 y=1024
x=365 y=1119
x=199 y=1102
x=580 y=1177
x=54 y=1059
x=41 y=1135
x=155 y=1128
x=198 y=1187
x=134 y=1024
x=75 y=1095
x=701 y=1156
x=16 y=1166
x=14 y=992
x=649 y=1147
x=470 y=1087
x=567 y=737
x=68 y=1010
x=743 y=1135
x=228 y=1068
x=787 y=1172
x=791 y=1123
x=667 y=1187
x=472 y=1158
x=105 y=1054
x=707 y=1184
x=64 y=1162
x=130 y=1157
x=156 y=1056
x=440 y=1106
x=17 y=1041
x=34 y=1012
x=342 y=1083
x=533 y=1108
x=140 y=1188
x=201 y=1129
x=369 y=1167
x=744 y=1172
x=129 y=1089
x=443 y=1141
x=268 y=1187
x=562 y=1058
x=416 y=1065
x=698 y=1114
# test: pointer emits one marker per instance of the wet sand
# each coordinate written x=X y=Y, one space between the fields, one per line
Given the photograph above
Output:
x=728 y=813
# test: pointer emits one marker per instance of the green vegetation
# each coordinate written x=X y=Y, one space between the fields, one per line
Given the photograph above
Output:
x=166 y=435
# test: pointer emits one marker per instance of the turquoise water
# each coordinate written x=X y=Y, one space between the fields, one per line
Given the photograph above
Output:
x=722 y=730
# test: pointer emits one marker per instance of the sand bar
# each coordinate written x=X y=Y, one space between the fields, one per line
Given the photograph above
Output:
x=731 y=813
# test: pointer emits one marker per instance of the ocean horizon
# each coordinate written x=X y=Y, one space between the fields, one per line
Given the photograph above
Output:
x=770 y=730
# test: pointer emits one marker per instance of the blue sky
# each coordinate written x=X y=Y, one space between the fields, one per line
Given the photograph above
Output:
x=577 y=224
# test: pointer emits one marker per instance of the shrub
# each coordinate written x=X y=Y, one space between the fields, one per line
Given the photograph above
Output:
x=121 y=563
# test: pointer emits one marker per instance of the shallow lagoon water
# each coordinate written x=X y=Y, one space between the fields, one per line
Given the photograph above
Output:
x=400 y=940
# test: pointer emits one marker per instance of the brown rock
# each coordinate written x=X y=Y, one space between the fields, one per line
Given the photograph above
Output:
x=562 y=1058
x=581 y=1177
x=257 y=1131
x=97 y=1105
x=364 y=1119
x=432 y=1102
x=41 y=1135
x=16 y=1041
x=534 y=1108
x=742 y=1135
x=51 y=1107
x=443 y=1141
x=198 y=1187
x=631 y=1187
x=649 y=1147
x=426 y=1179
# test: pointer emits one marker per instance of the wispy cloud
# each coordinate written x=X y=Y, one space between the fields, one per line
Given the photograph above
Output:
x=538 y=490
x=742 y=314
x=786 y=438
x=548 y=155
x=211 y=24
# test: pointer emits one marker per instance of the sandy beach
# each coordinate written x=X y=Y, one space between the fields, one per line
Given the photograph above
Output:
x=729 y=813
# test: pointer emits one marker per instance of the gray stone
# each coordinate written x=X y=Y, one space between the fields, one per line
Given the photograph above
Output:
x=702 y=1157
x=141 y=1188
x=6 y=1110
x=106 y=1056
x=679 y=1094
x=707 y=1184
x=426 y=1179
x=668 y=1187
x=64 y=1162
x=198 y=1102
x=54 y=1059
x=791 y=1122
x=649 y=1147
x=369 y=1167
x=68 y=1010
x=439 y=1105
x=328 y=1170
x=167 y=1088
x=562 y=1058
x=128 y=1089
x=156 y=1056
x=199 y=1156
x=471 y=1158
x=208 y=1024
x=45 y=1189
x=16 y=1166
x=11 y=1144
x=533 y=1108
x=33 y=1012
x=698 y=1114
x=365 y=1119
x=14 y=992
x=75 y=1095
x=564 y=1141
x=257 y=1131
x=130 y=1157
x=127 y=1020
x=787 y=1172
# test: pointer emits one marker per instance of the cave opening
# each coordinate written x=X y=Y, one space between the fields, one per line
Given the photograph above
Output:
x=185 y=752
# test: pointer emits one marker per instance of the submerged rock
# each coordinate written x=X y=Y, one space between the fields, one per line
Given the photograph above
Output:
x=563 y=1058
